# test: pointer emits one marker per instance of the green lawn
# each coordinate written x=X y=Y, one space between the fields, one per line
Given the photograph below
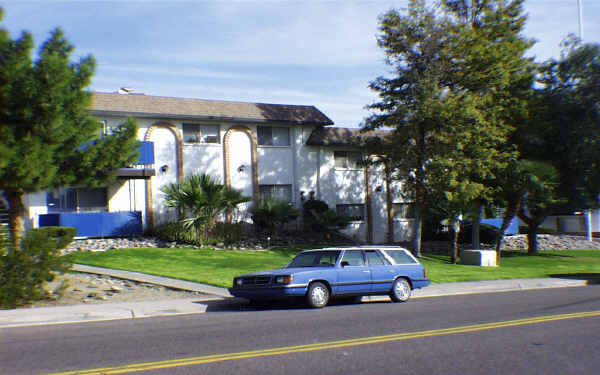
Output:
x=516 y=265
x=217 y=267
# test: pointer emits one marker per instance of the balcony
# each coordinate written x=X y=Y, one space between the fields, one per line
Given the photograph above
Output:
x=144 y=167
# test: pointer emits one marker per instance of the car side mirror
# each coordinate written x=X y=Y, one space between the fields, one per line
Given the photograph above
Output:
x=344 y=264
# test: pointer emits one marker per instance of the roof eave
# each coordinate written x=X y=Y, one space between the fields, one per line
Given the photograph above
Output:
x=172 y=116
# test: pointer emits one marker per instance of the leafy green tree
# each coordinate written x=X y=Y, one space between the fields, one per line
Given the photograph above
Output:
x=203 y=198
x=453 y=101
x=568 y=122
x=495 y=69
x=47 y=137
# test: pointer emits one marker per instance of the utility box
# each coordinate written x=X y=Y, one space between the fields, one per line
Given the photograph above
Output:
x=484 y=258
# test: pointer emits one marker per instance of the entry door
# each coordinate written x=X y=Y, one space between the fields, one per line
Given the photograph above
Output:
x=165 y=159
x=354 y=277
x=240 y=165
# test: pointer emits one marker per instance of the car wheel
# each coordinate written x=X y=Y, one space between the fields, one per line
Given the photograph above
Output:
x=318 y=295
x=400 y=290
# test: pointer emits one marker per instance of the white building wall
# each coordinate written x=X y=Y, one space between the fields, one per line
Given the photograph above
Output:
x=342 y=186
x=379 y=215
x=203 y=158
x=307 y=164
x=36 y=205
x=306 y=168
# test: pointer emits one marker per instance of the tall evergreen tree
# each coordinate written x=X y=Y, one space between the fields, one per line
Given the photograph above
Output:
x=410 y=98
x=47 y=137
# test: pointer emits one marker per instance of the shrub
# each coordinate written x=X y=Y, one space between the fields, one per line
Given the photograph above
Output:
x=62 y=236
x=272 y=214
x=24 y=271
x=228 y=232
x=319 y=218
x=177 y=232
x=174 y=232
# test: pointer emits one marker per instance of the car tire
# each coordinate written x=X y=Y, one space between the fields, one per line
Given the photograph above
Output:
x=401 y=290
x=317 y=295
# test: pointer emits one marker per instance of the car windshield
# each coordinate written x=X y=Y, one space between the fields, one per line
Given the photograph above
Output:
x=315 y=259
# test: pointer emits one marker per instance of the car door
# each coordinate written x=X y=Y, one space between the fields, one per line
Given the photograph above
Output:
x=353 y=275
x=382 y=273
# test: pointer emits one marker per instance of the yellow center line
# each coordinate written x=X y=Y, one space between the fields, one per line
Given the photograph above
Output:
x=325 y=345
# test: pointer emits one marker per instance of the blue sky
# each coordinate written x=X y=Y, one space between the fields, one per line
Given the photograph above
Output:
x=321 y=53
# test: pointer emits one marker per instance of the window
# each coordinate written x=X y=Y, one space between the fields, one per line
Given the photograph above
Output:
x=347 y=159
x=374 y=258
x=353 y=258
x=273 y=136
x=275 y=192
x=356 y=212
x=314 y=259
x=404 y=210
x=400 y=257
x=77 y=200
x=200 y=133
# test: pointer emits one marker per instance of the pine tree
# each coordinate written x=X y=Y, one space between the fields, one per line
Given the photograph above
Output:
x=47 y=137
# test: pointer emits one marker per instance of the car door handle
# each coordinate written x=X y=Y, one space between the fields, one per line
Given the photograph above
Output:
x=366 y=271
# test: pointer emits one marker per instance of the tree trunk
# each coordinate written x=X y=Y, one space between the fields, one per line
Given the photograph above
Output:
x=533 y=222
x=418 y=228
x=532 y=248
x=509 y=215
x=16 y=210
x=455 y=225
x=475 y=240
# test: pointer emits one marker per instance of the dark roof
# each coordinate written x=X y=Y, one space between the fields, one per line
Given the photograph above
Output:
x=342 y=136
x=140 y=105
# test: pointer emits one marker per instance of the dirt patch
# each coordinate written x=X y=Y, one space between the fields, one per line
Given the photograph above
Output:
x=82 y=288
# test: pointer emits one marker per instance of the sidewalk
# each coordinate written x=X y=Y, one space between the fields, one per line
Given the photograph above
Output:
x=220 y=299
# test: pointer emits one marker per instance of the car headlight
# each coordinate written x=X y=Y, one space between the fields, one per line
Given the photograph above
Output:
x=284 y=279
x=239 y=282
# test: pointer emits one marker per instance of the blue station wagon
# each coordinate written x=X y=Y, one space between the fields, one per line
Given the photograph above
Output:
x=321 y=274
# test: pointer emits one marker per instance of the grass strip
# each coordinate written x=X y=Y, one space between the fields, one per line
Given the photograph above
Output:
x=218 y=267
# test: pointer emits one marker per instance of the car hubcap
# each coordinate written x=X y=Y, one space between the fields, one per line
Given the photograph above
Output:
x=319 y=295
x=402 y=289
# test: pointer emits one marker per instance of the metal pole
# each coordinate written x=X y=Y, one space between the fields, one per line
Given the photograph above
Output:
x=589 y=225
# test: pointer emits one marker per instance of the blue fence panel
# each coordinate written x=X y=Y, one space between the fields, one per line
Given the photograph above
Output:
x=97 y=224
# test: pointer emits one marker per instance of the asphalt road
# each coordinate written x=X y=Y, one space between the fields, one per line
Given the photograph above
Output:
x=532 y=332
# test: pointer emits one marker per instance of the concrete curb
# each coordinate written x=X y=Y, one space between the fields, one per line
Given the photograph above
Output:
x=134 y=310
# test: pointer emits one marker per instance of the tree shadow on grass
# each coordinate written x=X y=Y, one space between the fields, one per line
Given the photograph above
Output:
x=590 y=278
x=518 y=254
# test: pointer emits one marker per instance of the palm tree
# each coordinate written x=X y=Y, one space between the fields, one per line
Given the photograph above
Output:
x=203 y=198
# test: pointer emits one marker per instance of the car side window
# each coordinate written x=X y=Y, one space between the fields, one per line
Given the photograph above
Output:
x=400 y=257
x=329 y=258
x=374 y=258
x=353 y=258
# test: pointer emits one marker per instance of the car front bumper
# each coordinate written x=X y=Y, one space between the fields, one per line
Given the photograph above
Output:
x=268 y=292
